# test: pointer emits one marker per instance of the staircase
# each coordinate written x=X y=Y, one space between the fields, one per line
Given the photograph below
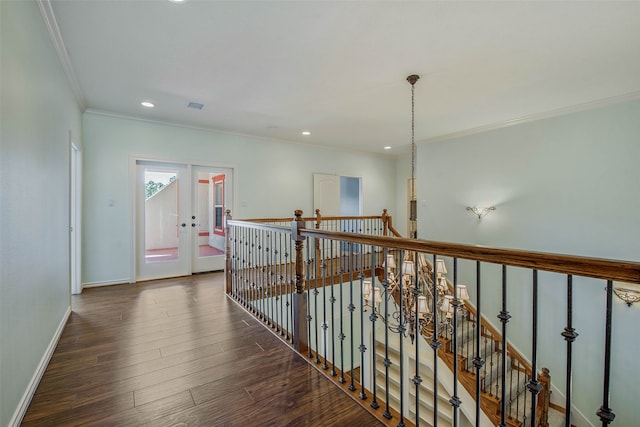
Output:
x=518 y=374
x=408 y=390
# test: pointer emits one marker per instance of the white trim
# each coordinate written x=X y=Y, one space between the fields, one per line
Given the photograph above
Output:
x=106 y=283
x=21 y=410
x=46 y=10
x=75 y=216
x=590 y=105
x=133 y=247
x=577 y=417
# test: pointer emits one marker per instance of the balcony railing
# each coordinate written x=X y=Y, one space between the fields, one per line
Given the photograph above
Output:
x=410 y=346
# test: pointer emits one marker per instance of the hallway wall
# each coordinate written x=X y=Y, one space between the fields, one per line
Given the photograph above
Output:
x=273 y=179
x=567 y=184
x=38 y=113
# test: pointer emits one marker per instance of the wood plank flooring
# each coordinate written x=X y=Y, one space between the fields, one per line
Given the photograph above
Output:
x=178 y=352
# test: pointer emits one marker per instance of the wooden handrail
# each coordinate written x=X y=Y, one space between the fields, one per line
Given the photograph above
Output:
x=598 y=268
x=260 y=226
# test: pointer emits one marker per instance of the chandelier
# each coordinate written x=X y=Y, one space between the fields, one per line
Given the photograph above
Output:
x=419 y=304
x=410 y=292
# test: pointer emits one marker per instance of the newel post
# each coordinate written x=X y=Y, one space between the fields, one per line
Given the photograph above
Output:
x=227 y=251
x=385 y=223
x=300 y=335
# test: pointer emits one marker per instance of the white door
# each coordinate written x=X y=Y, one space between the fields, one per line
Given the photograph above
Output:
x=163 y=220
x=211 y=190
x=326 y=194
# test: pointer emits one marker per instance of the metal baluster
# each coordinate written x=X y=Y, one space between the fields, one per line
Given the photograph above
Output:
x=362 y=347
x=373 y=318
x=287 y=250
x=477 y=360
x=325 y=326
x=533 y=385
x=267 y=274
x=387 y=362
x=605 y=413
x=333 y=303
x=341 y=336
x=570 y=336
x=469 y=324
x=455 y=400
x=435 y=343
x=241 y=267
x=401 y=330
x=484 y=368
x=504 y=317
x=518 y=393
x=250 y=290
x=278 y=277
x=352 y=308
x=270 y=278
x=491 y=364
x=255 y=301
x=416 y=378
x=315 y=304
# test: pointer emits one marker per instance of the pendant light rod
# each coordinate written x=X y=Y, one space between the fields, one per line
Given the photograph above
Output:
x=413 y=205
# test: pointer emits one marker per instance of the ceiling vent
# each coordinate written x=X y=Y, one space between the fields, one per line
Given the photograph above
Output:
x=195 y=105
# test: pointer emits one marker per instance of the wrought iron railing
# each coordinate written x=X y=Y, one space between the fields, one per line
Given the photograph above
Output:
x=308 y=284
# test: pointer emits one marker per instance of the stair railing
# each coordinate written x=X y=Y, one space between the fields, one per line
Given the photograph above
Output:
x=312 y=295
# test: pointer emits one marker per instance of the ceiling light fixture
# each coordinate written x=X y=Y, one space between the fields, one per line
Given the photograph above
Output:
x=388 y=147
x=306 y=133
x=147 y=104
x=413 y=203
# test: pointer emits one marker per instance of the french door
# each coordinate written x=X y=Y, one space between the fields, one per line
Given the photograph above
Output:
x=180 y=218
x=212 y=197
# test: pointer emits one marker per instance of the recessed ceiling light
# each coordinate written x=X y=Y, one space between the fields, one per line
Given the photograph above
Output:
x=306 y=133
x=388 y=147
x=147 y=104
x=177 y=1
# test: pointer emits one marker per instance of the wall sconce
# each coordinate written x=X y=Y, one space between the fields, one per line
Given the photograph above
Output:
x=627 y=295
x=480 y=211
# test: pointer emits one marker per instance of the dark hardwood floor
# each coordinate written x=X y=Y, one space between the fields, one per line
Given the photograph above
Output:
x=178 y=352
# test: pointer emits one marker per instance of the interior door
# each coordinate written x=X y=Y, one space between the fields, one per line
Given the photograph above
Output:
x=326 y=194
x=212 y=196
x=163 y=221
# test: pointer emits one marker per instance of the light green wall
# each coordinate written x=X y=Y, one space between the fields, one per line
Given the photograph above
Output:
x=273 y=179
x=38 y=111
x=565 y=185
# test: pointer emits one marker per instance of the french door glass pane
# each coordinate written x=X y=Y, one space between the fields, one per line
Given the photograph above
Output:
x=161 y=215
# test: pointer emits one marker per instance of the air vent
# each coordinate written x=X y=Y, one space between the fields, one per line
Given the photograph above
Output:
x=195 y=105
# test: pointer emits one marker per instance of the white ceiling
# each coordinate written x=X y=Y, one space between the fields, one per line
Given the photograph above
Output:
x=338 y=68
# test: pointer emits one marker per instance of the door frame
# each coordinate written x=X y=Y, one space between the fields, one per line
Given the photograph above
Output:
x=75 y=216
x=216 y=262
x=133 y=160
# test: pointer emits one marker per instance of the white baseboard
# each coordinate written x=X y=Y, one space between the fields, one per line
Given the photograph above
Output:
x=577 y=417
x=106 y=283
x=21 y=410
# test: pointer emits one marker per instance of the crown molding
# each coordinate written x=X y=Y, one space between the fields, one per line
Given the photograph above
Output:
x=590 y=105
x=107 y=113
x=46 y=10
